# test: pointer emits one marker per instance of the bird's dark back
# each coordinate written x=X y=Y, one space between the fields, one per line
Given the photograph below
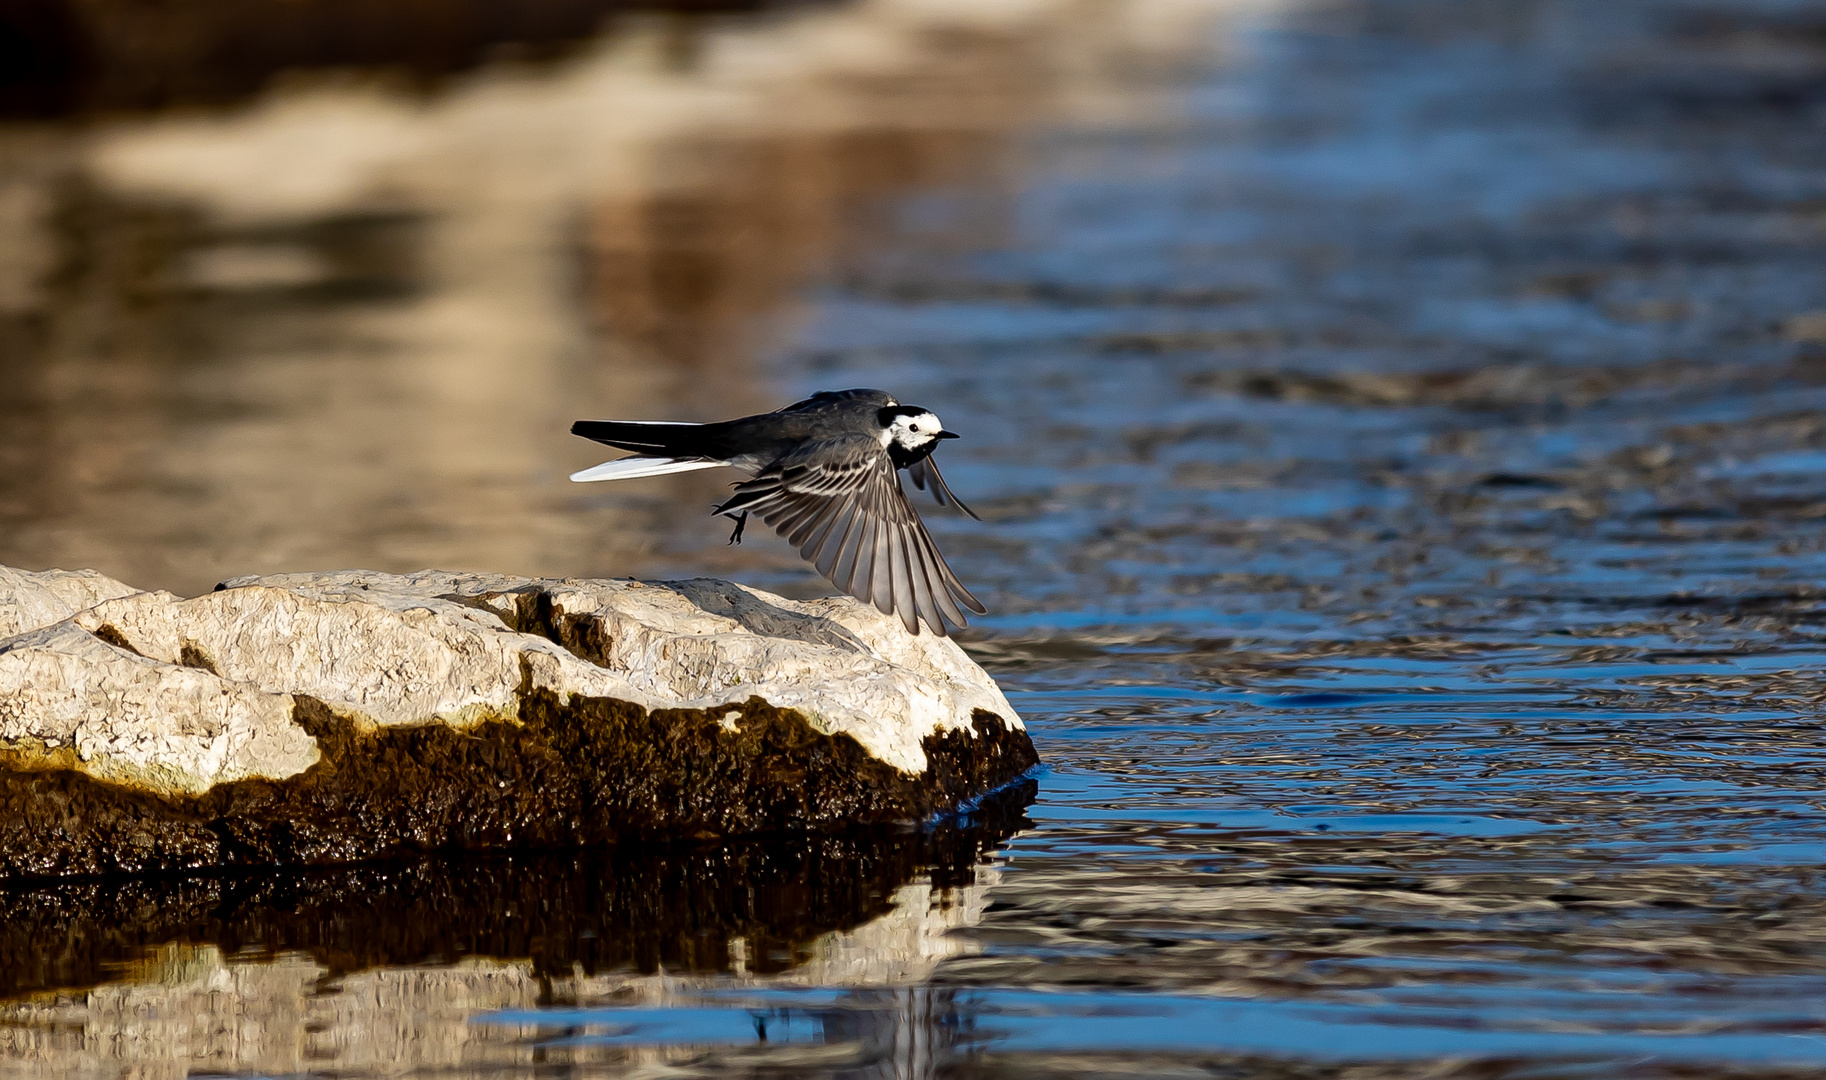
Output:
x=762 y=438
x=822 y=416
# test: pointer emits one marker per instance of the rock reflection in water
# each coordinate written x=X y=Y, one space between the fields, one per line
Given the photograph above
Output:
x=381 y=967
x=62 y=57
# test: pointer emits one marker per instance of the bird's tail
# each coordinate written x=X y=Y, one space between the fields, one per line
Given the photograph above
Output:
x=629 y=468
x=647 y=437
x=659 y=448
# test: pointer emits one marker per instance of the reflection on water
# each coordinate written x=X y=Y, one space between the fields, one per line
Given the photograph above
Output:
x=62 y=57
x=346 y=326
x=355 y=969
x=1401 y=425
x=695 y=908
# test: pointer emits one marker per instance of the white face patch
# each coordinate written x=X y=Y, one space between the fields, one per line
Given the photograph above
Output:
x=914 y=432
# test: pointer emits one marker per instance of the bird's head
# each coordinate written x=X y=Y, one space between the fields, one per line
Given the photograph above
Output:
x=912 y=428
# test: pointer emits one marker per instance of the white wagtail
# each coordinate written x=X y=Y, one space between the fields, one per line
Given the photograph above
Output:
x=826 y=477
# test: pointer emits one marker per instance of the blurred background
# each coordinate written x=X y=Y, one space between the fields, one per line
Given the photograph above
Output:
x=1399 y=425
x=303 y=284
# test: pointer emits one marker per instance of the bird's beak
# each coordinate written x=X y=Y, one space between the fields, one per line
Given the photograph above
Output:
x=947 y=435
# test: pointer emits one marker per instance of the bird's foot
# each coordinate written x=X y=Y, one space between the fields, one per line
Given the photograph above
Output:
x=741 y=522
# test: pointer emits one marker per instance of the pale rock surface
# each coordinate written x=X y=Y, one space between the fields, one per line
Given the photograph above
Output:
x=387 y=656
x=69 y=699
x=181 y=694
x=30 y=599
x=703 y=643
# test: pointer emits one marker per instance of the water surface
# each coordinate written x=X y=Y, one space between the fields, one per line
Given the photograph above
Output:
x=1401 y=429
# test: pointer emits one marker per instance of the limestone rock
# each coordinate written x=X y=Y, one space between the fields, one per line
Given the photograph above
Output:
x=685 y=644
x=386 y=657
x=31 y=599
x=323 y=717
x=70 y=700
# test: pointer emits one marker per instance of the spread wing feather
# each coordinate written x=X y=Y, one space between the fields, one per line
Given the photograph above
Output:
x=923 y=586
x=925 y=476
x=839 y=501
x=833 y=543
x=845 y=571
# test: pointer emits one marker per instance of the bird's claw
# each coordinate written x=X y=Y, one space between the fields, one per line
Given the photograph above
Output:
x=741 y=522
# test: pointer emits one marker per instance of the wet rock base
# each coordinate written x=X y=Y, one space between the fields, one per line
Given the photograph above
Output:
x=572 y=772
x=641 y=907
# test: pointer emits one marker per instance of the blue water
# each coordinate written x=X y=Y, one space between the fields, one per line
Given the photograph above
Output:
x=1423 y=641
x=1002 y=1020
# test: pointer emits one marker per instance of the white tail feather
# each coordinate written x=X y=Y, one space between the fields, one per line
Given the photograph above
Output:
x=631 y=467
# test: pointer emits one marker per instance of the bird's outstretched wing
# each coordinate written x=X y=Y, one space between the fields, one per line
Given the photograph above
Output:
x=839 y=501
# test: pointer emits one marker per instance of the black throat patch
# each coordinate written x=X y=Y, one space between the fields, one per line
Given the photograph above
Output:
x=902 y=457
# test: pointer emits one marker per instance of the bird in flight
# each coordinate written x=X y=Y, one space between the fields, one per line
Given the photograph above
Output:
x=826 y=475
